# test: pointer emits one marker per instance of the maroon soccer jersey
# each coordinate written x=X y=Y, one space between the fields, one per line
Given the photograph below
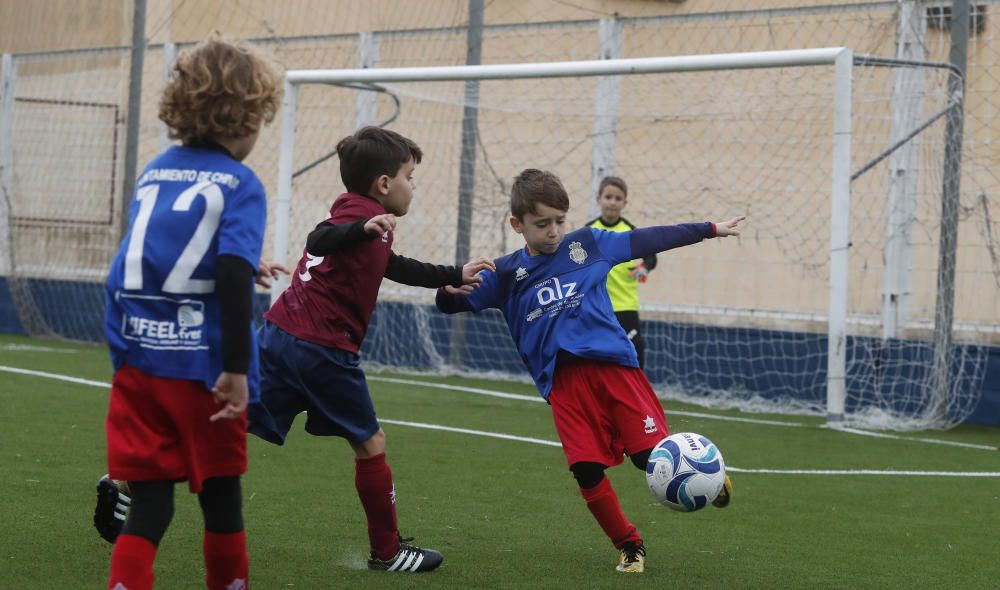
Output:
x=331 y=298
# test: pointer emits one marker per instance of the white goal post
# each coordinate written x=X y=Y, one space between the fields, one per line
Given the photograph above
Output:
x=840 y=60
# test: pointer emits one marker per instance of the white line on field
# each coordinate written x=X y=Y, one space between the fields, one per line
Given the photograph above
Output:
x=54 y=376
x=476 y=390
x=535 y=398
x=537 y=441
x=550 y=443
x=80 y=381
x=934 y=441
x=866 y=472
x=34 y=348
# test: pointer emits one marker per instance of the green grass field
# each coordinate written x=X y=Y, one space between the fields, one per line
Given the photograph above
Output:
x=506 y=513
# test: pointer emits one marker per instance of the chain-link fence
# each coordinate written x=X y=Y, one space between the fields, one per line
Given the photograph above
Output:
x=691 y=147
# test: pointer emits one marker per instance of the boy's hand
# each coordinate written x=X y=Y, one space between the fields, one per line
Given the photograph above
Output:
x=463 y=290
x=639 y=272
x=470 y=272
x=728 y=228
x=269 y=270
x=231 y=392
x=381 y=223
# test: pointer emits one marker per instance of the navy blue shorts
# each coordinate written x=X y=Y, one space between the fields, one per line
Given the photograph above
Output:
x=298 y=376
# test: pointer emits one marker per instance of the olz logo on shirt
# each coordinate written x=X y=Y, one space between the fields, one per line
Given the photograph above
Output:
x=557 y=291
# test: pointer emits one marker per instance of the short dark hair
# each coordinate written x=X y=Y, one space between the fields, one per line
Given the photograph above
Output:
x=372 y=152
x=533 y=187
x=612 y=181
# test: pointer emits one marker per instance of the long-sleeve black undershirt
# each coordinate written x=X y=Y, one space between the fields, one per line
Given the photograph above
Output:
x=234 y=288
x=328 y=238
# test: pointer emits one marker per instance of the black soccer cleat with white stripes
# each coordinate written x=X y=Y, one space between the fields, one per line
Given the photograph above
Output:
x=408 y=559
x=112 y=508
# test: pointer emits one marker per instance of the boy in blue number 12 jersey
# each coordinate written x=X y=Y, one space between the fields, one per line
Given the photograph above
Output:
x=178 y=319
x=554 y=296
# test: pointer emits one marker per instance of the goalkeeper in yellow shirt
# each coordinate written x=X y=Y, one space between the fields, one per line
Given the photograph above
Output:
x=624 y=279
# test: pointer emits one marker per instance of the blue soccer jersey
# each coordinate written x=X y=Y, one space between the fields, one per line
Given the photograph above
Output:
x=191 y=205
x=559 y=302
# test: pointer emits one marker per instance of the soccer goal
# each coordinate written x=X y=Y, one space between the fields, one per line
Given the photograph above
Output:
x=829 y=301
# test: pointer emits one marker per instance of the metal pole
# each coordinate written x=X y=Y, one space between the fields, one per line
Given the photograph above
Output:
x=365 y=104
x=286 y=163
x=840 y=243
x=169 y=59
x=467 y=165
x=7 y=83
x=470 y=124
x=134 y=108
x=908 y=91
x=944 y=310
x=611 y=35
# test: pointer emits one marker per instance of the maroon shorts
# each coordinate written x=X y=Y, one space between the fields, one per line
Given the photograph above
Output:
x=158 y=429
x=603 y=411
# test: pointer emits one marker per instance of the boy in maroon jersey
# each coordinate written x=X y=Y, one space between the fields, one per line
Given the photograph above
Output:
x=310 y=342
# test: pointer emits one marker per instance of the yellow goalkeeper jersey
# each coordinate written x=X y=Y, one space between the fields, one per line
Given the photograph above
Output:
x=623 y=289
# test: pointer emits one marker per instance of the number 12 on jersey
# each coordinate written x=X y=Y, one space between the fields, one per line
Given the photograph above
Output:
x=179 y=280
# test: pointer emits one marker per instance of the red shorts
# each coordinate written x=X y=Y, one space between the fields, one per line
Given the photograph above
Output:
x=603 y=411
x=158 y=429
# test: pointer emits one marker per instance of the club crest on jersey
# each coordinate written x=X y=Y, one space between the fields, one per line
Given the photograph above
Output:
x=522 y=273
x=576 y=252
x=385 y=237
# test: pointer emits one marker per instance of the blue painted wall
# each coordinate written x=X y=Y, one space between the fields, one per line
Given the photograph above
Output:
x=767 y=363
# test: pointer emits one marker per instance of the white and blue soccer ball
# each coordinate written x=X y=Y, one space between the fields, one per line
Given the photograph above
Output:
x=685 y=471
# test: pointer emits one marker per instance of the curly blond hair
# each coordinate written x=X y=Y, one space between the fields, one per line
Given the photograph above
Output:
x=220 y=89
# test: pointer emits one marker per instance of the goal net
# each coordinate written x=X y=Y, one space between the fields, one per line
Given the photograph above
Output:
x=827 y=303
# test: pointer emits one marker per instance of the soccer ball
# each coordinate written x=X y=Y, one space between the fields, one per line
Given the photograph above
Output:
x=685 y=471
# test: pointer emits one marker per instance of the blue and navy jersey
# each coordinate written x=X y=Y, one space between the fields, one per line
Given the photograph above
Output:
x=560 y=301
x=191 y=205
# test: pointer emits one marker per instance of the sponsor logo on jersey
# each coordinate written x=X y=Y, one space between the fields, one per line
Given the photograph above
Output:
x=189 y=317
x=143 y=321
x=311 y=261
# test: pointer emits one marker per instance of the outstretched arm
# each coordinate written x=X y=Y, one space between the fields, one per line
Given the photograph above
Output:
x=451 y=300
x=423 y=274
x=327 y=238
x=649 y=262
x=650 y=240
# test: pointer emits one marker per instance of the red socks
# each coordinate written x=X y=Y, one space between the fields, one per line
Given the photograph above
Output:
x=132 y=564
x=373 y=480
x=226 y=563
x=603 y=504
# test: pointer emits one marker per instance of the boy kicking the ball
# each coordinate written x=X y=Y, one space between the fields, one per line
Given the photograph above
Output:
x=553 y=294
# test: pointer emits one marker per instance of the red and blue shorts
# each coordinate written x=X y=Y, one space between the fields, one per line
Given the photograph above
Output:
x=604 y=411
x=158 y=429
